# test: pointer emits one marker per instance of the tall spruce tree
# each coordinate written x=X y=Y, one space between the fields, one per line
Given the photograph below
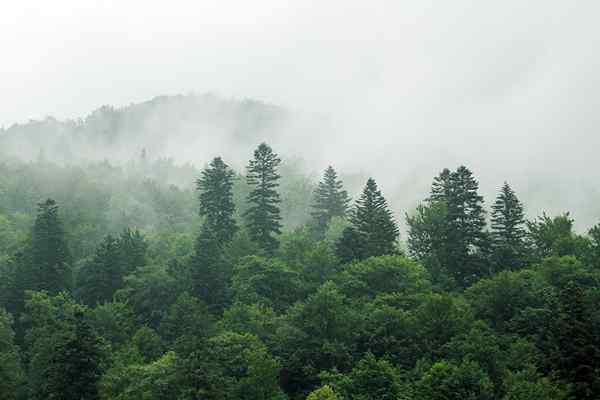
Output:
x=508 y=229
x=216 y=199
x=373 y=232
x=210 y=272
x=75 y=367
x=465 y=244
x=263 y=215
x=330 y=200
x=50 y=257
x=100 y=278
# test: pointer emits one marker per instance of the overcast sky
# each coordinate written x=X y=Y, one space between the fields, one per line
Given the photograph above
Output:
x=508 y=87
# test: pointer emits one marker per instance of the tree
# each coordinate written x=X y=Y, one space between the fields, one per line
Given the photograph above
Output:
x=99 y=279
x=508 y=229
x=75 y=367
x=447 y=381
x=461 y=244
x=216 y=199
x=370 y=379
x=570 y=346
x=373 y=226
x=263 y=215
x=132 y=248
x=50 y=256
x=322 y=393
x=210 y=272
x=330 y=200
x=11 y=373
x=551 y=236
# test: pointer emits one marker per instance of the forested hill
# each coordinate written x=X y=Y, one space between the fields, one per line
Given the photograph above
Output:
x=188 y=127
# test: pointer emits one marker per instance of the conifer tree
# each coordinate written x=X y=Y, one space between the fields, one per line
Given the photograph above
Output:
x=508 y=229
x=216 y=199
x=465 y=222
x=210 y=273
x=75 y=368
x=132 y=249
x=374 y=231
x=263 y=215
x=330 y=200
x=102 y=276
x=50 y=256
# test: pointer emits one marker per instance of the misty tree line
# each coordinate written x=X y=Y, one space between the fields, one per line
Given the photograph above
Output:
x=334 y=309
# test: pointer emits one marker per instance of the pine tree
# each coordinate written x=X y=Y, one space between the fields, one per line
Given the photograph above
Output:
x=374 y=231
x=216 y=199
x=263 y=215
x=99 y=279
x=49 y=252
x=210 y=273
x=132 y=249
x=75 y=368
x=508 y=229
x=330 y=200
x=466 y=243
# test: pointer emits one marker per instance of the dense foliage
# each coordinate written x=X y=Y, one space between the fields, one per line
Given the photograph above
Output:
x=115 y=283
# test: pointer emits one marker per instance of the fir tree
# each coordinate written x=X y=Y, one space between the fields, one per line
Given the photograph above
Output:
x=467 y=243
x=263 y=215
x=216 y=199
x=330 y=200
x=49 y=252
x=508 y=229
x=75 y=368
x=210 y=273
x=374 y=231
x=102 y=276
x=132 y=250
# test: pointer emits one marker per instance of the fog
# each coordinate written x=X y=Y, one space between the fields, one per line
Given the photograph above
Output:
x=393 y=89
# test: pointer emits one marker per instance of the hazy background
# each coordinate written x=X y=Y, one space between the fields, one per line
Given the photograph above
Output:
x=393 y=89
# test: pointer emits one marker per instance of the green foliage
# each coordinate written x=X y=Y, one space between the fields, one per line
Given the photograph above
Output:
x=75 y=366
x=508 y=232
x=216 y=199
x=11 y=372
x=49 y=269
x=528 y=384
x=188 y=316
x=383 y=275
x=374 y=231
x=503 y=297
x=330 y=200
x=447 y=381
x=196 y=308
x=267 y=281
x=322 y=393
x=263 y=215
x=370 y=379
x=452 y=231
x=209 y=271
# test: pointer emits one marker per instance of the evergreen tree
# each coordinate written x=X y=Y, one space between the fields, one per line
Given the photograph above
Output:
x=11 y=373
x=75 y=368
x=210 y=273
x=330 y=200
x=216 y=199
x=132 y=251
x=50 y=256
x=374 y=231
x=99 y=279
x=571 y=349
x=466 y=243
x=263 y=216
x=508 y=232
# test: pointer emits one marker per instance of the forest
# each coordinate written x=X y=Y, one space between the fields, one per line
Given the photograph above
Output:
x=118 y=284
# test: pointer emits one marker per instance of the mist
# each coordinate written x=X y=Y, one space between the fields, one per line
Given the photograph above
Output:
x=393 y=90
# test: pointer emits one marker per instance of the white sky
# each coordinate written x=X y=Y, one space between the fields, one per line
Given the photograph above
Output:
x=408 y=80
